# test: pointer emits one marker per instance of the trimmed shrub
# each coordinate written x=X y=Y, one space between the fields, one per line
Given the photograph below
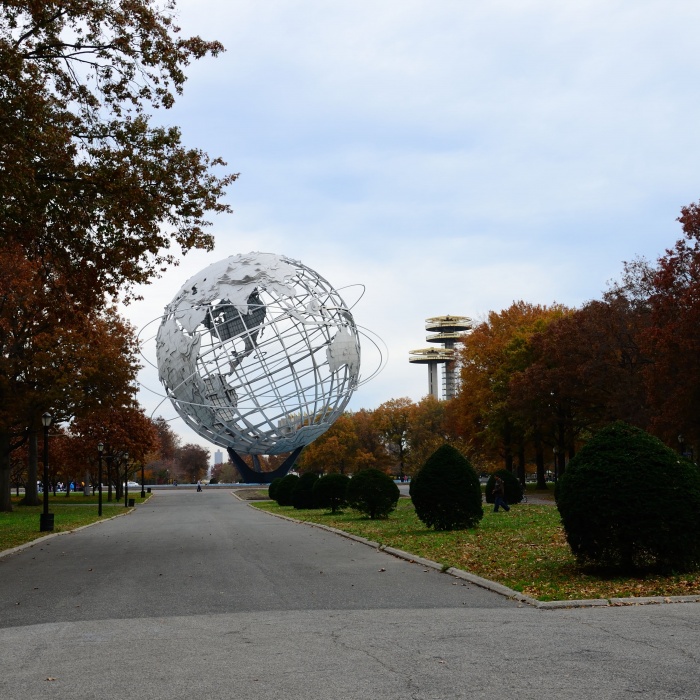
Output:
x=285 y=489
x=330 y=491
x=373 y=493
x=272 y=488
x=303 y=494
x=629 y=502
x=512 y=486
x=446 y=492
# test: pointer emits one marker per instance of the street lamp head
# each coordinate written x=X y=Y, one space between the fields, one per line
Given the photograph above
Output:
x=46 y=419
x=100 y=447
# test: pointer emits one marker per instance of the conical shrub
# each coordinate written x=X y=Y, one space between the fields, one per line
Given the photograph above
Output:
x=627 y=501
x=446 y=492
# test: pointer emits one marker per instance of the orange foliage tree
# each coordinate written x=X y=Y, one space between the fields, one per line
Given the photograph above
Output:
x=93 y=198
x=672 y=337
x=484 y=413
x=128 y=436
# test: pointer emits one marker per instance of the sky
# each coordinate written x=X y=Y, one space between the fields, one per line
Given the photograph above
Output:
x=451 y=156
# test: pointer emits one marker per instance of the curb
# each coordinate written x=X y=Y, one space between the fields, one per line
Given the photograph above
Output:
x=493 y=586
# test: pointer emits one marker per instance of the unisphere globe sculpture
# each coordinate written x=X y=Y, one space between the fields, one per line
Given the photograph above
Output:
x=259 y=354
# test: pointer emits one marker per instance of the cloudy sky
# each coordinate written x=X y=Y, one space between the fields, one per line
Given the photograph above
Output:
x=451 y=155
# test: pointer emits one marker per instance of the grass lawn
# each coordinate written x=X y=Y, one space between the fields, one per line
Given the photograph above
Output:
x=22 y=524
x=524 y=549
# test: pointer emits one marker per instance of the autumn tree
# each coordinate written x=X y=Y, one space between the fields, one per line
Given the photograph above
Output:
x=483 y=412
x=93 y=196
x=351 y=444
x=192 y=462
x=672 y=337
x=87 y=177
x=427 y=431
x=393 y=421
x=586 y=372
x=128 y=437
x=225 y=473
x=162 y=461
x=57 y=355
x=332 y=452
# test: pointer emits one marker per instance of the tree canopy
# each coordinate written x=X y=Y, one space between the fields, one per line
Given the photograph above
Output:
x=87 y=178
x=94 y=198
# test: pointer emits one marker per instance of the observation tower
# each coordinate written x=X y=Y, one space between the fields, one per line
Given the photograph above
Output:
x=447 y=331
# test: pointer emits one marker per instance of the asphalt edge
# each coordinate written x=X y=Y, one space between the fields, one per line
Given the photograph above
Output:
x=489 y=585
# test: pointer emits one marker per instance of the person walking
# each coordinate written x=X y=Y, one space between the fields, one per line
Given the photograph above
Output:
x=499 y=495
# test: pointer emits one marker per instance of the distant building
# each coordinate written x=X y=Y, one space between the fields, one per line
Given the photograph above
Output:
x=218 y=457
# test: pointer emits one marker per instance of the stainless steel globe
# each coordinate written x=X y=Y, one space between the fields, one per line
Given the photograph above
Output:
x=258 y=353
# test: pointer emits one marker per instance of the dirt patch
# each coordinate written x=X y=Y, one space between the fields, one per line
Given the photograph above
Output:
x=252 y=494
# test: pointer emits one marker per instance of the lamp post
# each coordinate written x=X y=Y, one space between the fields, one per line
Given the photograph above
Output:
x=46 y=518
x=556 y=462
x=143 y=491
x=100 y=447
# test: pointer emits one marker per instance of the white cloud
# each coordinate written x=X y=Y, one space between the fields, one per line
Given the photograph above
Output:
x=452 y=156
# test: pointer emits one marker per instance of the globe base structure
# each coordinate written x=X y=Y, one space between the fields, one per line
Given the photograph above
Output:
x=257 y=476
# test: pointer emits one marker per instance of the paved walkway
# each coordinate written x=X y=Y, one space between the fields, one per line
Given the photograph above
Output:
x=198 y=595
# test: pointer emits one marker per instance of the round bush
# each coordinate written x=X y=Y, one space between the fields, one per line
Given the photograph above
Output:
x=629 y=502
x=303 y=494
x=285 y=490
x=272 y=488
x=330 y=491
x=373 y=493
x=512 y=486
x=446 y=492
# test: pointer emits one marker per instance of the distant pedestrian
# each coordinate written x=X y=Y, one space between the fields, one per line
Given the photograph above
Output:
x=199 y=486
x=499 y=495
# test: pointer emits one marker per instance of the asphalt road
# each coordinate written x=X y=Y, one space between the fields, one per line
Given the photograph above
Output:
x=196 y=595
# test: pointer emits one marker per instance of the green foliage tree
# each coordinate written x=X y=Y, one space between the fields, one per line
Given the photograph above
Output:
x=512 y=487
x=285 y=490
x=446 y=492
x=330 y=491
x=629 y=502
x=373 y=493
x=303 y=494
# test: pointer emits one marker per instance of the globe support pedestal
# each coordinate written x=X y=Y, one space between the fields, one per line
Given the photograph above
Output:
x=250 y=476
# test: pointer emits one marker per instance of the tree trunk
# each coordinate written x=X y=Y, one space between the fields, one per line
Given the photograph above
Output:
x=539 y=461
x=5 y=488
x=508 y=449
x=521 y=464
x=31 y=492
